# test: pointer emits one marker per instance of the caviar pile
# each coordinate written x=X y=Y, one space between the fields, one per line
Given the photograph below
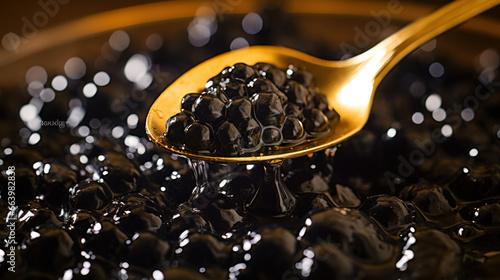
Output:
x=246 y=107
x=97 y=200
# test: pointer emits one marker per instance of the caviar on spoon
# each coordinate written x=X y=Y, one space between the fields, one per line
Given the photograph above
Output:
x=349 y=87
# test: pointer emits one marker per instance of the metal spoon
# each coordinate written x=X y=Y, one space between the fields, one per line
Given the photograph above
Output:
x=349 y=84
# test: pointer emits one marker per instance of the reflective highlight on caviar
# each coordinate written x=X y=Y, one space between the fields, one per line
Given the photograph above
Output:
x=245 y=108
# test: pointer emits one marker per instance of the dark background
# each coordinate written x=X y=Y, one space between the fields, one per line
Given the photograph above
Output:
x=15 y=13
x=12 y=12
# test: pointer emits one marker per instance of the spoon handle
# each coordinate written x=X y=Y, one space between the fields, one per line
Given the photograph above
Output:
x=406 y=40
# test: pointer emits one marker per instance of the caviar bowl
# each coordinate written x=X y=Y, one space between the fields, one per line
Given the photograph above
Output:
x=414 y=195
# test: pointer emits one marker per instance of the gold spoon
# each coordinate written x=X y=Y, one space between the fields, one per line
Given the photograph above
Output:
x=349 y=84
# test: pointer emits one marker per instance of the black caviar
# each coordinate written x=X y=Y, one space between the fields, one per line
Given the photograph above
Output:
x=97 y=200
x=245 y=108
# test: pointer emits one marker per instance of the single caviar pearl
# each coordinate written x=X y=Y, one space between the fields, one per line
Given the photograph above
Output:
x=214 y=81
x=271 y=136
x=292 y=129
x=296 y=93
x=268 y=109
x=315 y=121
x=292 y=110
x=234 y=89
x=90 y=195
x=239 y=110
x=332 y=116
x=208 y=108
x=263 y=66
x=299 y=74
x=320 y=102
x=275 y=75
x=217 y=92
x=229 y=139
x=188 y=101
x=175 y=127
x=199 y=137
x=251 y=132
x=258 y=85
x=242 y=72
x=261 y=85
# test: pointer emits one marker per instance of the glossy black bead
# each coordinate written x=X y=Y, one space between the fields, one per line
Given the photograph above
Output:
x=235 y=89
x=228 y=139
x=82 y=221
x=188 y=101
x=199 y=137
x=225 y=74
x=268 y=109
x=259 y=85
x=432 y=200
x=272 y=73
x=214 y=81
x=301 y=75
x=34 y=215
x=175 y=176
x=333 y=117
x=148 y=251
x=203 y=250
x=49 y=250
x=55 y=181
x=320 y=102
x=175 y=127
x=315 y=121
x=292 y=110
x=107 y=240
x=263 y=66
x=485 y=214
x=119 y=172
x=217 y=91
x=221 y=212
x=239 y=110
x=90 y=195
x=238 y=188
x=209 y=108
x=271 y=255
x=242 y=72
x=296 y=93
x=271 y=136
x=479 y=182
x=351 y=231
x=390 y=212
x=292 y=129
x=136 y=212
x=250 y=131
x=186 y=220
x=336 y=266
x=425 y=264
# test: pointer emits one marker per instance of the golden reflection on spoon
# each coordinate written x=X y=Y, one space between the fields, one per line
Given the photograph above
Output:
x=349 y=84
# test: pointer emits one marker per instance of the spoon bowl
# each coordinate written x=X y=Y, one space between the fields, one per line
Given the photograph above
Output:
x=353 y=117
x=349 y=84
